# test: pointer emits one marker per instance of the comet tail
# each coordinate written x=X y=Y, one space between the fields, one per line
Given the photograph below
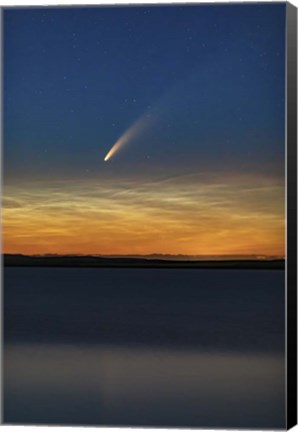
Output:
x=132 y=132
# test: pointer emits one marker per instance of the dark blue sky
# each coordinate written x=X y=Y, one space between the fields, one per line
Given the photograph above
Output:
x=76 y=78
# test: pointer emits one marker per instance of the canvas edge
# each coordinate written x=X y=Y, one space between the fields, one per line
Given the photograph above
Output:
x=1 y=198
x=291 y=204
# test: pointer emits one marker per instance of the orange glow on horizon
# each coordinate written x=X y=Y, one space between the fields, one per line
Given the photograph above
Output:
x=189 y=217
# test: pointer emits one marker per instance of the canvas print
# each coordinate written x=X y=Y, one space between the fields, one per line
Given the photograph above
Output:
x=144 y=215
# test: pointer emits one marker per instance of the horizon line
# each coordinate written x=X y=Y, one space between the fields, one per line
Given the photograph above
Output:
x=257 y=257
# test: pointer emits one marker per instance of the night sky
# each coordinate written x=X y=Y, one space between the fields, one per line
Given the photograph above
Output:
x=197 y=92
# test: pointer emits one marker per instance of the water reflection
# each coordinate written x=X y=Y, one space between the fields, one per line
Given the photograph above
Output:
x=116 y=385
x=148 y=347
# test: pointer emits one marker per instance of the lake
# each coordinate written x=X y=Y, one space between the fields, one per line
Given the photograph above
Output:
x=144 y=347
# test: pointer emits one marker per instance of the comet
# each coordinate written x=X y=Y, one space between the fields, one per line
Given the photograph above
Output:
x=152 y=114
x=130 y=134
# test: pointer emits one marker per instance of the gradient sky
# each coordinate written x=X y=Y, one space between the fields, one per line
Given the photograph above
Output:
x=204 y=174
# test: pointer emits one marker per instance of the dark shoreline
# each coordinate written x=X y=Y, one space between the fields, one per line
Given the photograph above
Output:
x=101 y=262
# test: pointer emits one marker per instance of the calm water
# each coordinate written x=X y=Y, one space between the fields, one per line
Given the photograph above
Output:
x=153 y=347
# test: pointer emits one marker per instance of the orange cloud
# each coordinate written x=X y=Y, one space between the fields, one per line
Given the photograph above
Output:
x=191 y=214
